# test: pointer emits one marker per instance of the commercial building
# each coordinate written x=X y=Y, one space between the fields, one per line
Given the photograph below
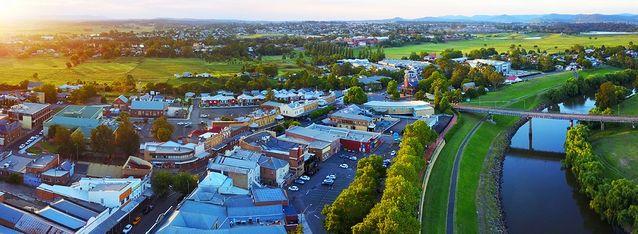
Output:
x=10 y=131
x=294 y=109
x=48 y=169
x=121 y=103
x=80 y=118
x=242 y=166
x=148 y=109
x=353 y=117
x=502 y=67
x=31 y=115
x=415 y=108
x=372 y=83
x=217 y=206
x=174 y=156
x=265 y=142
x=352 y=140
x=108 y=192
x=321 y=144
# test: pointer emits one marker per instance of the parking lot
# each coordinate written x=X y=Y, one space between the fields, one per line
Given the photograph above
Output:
x=313 y=196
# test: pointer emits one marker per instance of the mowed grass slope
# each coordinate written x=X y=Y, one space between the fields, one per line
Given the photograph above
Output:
x=524 y=96
x=54 y=70
x=514 y=92
x=617 y=145
x=549 y=42
x=436 y=194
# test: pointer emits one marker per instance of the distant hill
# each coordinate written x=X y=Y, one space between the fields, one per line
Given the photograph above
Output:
x=547 y=18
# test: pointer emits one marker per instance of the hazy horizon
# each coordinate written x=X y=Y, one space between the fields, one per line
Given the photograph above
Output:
x=298 y=10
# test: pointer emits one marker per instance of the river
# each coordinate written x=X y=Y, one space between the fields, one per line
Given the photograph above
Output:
x=539 y=196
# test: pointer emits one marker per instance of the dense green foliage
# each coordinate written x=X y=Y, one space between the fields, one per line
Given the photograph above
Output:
x=182 y=182
x=355 y=202
x=584 y=85
x=321 y=112
x=162 y=129
x=355 y=95
x=616 y=200
x=398 y=208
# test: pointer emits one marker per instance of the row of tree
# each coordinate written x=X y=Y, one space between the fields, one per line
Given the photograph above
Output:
x=587 y=85
x=355 y=202
x=397 y=210
x=182 y=182
x=615 y=200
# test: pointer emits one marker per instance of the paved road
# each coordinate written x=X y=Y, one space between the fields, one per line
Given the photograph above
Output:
x=454 y=178
x=161 y=206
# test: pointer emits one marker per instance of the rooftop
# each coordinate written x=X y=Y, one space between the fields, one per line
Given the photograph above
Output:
x=28 y=108
x=346 y=134
x=395 y=104
x=148 y=105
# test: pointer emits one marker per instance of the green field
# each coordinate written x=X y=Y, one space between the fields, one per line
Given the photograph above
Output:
x=53 y=70
x=502 y=42
x=619 y=158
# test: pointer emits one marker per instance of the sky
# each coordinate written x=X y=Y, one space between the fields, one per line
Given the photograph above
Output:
x=277 y=10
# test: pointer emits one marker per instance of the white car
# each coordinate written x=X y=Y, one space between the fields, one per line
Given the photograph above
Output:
x=22 y=146
x=127 y=228
x=344 y=166
x=353 y=158
x=331 y=177
x=305 y=177
x=293 y=188
x=393 y=153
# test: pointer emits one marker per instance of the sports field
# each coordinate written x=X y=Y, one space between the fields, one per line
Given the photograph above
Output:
x=502 y=42
x=54 y=70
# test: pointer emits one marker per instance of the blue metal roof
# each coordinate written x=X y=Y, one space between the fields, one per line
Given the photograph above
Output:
x=10 y=214
x=269 y=194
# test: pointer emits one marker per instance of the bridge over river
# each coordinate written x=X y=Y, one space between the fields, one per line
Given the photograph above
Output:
x=545 y=115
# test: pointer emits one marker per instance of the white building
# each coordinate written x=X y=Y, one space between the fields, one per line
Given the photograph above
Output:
x=500 y=66
x=416 y=108
x=111 y=193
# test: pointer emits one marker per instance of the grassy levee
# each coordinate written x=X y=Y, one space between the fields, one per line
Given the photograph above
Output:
x=550 y=42
x=436 y=194
x=526 y=95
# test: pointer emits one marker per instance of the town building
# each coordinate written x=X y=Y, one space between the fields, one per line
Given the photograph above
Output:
x=353 y=117
x=415 y=108
x=242 y=166
x=174 y=156
x=265 y=142
x=148 y=109
x=322 y=144
x=294 y=109
x=351 y=140
x=218 y=206
x=10 y=131
x=31 y=115
x=108 y=192
x=372 y=83
x=121 y=103
x=80 y=118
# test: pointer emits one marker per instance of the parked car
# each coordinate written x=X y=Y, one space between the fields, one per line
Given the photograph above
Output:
x=298 y=181
x=148 y=209
x=22 y=146
x=127 y=229
x=393 y=153
x=353 y=158
x=305 y=177
x=137 y=220
x=344 y=166
x=293 y=188
x=331 y=177
x=327 y=182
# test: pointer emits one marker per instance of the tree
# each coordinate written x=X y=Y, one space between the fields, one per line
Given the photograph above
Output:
x=355 y=95
x=609 y=95
x=184 y=182
x=50 y=93
x=79 y=145
x=393 y=90
x=270 y=95
x=162 y=129
x=102 y=140
x=62 y=139
x=161 y=182
x=126 y=138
